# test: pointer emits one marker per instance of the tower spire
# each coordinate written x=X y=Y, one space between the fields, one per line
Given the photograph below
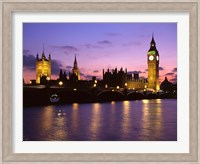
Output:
x=43 y=55
x=75 y=69
x=75 y=62
x=152 y=40
x=152 y=44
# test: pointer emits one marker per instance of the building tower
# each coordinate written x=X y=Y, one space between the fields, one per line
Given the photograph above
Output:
x=43 y=68
x=75 y=69
x=153 y=66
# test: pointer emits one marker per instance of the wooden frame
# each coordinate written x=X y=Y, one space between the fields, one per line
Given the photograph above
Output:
x=7 y=8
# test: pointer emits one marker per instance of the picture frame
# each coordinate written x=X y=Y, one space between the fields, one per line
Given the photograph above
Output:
x=8 y=7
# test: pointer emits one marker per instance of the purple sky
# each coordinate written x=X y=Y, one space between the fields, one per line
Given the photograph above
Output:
x=98 y=46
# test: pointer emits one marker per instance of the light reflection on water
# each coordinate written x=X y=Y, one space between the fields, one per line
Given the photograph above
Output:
x=95 y=121
x=151 y=123
x=113 y=121
x=125 y=118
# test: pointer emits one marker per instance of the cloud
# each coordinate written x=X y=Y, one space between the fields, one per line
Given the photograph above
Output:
x=161 y=68
x=105 y=43
x=82 y=74
x=132 y=72
x=96 y=71
x=68 y=67
x=174 y=69
x=98 y=45
x=66 y=49
x=87 y=77
x=132 y=43
x=29 y=60
x=111 y=34
x=91 y=46
x=174 y=80
x=55 y=67
x=169 y=74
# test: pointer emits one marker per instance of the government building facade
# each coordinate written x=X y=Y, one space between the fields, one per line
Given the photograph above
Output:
x=121 y=78
x=111 y=78
x=43 y=68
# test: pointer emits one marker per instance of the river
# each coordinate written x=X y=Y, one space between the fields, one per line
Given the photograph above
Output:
x=142 y=120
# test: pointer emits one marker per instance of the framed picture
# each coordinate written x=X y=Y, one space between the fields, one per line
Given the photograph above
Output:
x=99 y=82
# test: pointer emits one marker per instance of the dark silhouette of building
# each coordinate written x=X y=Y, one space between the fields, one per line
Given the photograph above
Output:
x=115 y=78
x=122 y=79
x=75 y=70
x=62 y=80
x=62 y=75
x=167 y=86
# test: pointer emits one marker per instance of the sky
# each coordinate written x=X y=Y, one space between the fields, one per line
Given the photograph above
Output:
x=100 y=46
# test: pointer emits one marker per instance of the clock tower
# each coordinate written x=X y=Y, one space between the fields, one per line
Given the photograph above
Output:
x=153 y=66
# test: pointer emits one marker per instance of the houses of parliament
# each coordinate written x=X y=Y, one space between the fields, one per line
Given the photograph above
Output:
x=111 y=78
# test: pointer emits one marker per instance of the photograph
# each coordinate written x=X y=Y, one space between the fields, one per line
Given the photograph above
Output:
x=99 y=81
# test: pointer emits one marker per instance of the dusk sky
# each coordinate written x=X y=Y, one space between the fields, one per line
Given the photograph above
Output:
x=98 y=46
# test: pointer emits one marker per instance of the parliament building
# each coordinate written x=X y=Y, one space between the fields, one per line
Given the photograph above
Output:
x=120 y=78
x=43 y=68
x=111 y=78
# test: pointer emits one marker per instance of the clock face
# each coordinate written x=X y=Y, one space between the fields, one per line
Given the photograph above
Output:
x=151 y=57
x=157 y=58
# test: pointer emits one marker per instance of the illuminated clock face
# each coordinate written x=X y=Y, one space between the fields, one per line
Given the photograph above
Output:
x=157 y=58
x=151 y=57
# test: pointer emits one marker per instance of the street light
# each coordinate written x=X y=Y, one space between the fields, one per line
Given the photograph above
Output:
x=117 y=87
x=60 y=83
x=48 y=78
x=95 y=81
x=47 y=84
x=126 y=84
x=95 y=85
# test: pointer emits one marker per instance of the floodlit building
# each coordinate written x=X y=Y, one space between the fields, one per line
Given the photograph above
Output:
x=122 y=79
x=153 y=66
x=43 y=68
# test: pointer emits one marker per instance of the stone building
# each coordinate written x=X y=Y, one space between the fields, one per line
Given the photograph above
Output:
x=43 y=68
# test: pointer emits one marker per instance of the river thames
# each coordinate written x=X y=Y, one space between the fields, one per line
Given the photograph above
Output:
x=141 y=120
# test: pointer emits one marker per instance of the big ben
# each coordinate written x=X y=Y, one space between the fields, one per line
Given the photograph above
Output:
x=153 y=66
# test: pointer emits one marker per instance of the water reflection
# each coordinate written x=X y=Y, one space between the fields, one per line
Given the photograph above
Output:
x=114 y=121
x=112 y=115
x=59 y=128
x=151 y=124
x=95 y=121
x=52 y=121
x=46 y=118
x=125 y=118
x=75 y=117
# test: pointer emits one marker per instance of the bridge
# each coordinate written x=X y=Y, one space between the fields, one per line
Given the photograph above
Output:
x=42 y=96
